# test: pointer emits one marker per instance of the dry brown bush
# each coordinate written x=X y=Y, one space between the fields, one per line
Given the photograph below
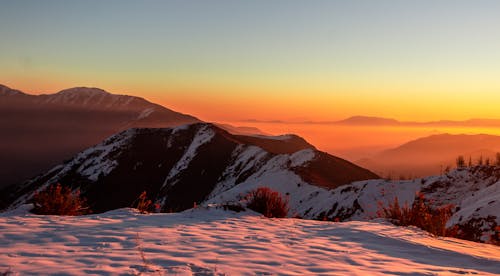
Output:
x=268 y=202
x=420 y=214
x=143 y=204
x=58 y=200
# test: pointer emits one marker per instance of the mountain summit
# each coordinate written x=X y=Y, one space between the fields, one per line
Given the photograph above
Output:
x=83 y=95
x=38 y=131
x=6 y=91
x=87 y=91
x=366 y=120
x=192 y=164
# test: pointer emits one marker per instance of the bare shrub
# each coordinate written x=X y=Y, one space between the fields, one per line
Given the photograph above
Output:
x=58 y=200
x=420 y=214
x=143 y=204
x=268 y=202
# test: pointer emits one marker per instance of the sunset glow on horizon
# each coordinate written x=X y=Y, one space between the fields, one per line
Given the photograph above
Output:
x=236 y=60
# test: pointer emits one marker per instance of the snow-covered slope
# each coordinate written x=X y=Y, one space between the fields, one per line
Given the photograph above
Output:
x=191 y=164
x=473 y=192
x=216 y=242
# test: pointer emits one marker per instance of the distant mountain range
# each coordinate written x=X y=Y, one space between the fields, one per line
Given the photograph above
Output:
x=380 y=121
x=38 y=131
x=189 y=164
x=431 y=155
x=365 y=120
x=242 y=130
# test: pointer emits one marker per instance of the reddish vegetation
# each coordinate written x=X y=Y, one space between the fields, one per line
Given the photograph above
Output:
x=143 y=204
x=479 y=230
x=58 y=200
x=433 y=220
x=268 y=202
x=421 y=215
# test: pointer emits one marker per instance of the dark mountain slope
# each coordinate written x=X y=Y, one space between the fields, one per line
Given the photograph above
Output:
x=191 y=163
x=37 y=132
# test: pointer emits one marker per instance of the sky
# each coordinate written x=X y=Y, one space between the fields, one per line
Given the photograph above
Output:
x=265 y=60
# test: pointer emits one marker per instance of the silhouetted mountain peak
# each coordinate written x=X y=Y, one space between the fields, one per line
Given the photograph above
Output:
x=7 y=91
x=457 y=140
x=94 y=98
x=67 y=122
x=431 y=154
x=367 y=120
x=83 y=91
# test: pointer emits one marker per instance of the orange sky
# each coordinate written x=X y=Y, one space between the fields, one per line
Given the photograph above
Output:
x=326 y=60
x=220 y=104
x=279 y=60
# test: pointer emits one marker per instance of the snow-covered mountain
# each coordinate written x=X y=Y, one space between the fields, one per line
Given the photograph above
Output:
x=38 y=131
x=192 y=164
x=473 y=192
x=203 y=164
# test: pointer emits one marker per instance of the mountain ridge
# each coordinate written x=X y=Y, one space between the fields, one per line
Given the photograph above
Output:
x=362 y=120
x=185 y=164
x=203 y=165
x=432 y=154
x=38 y=131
